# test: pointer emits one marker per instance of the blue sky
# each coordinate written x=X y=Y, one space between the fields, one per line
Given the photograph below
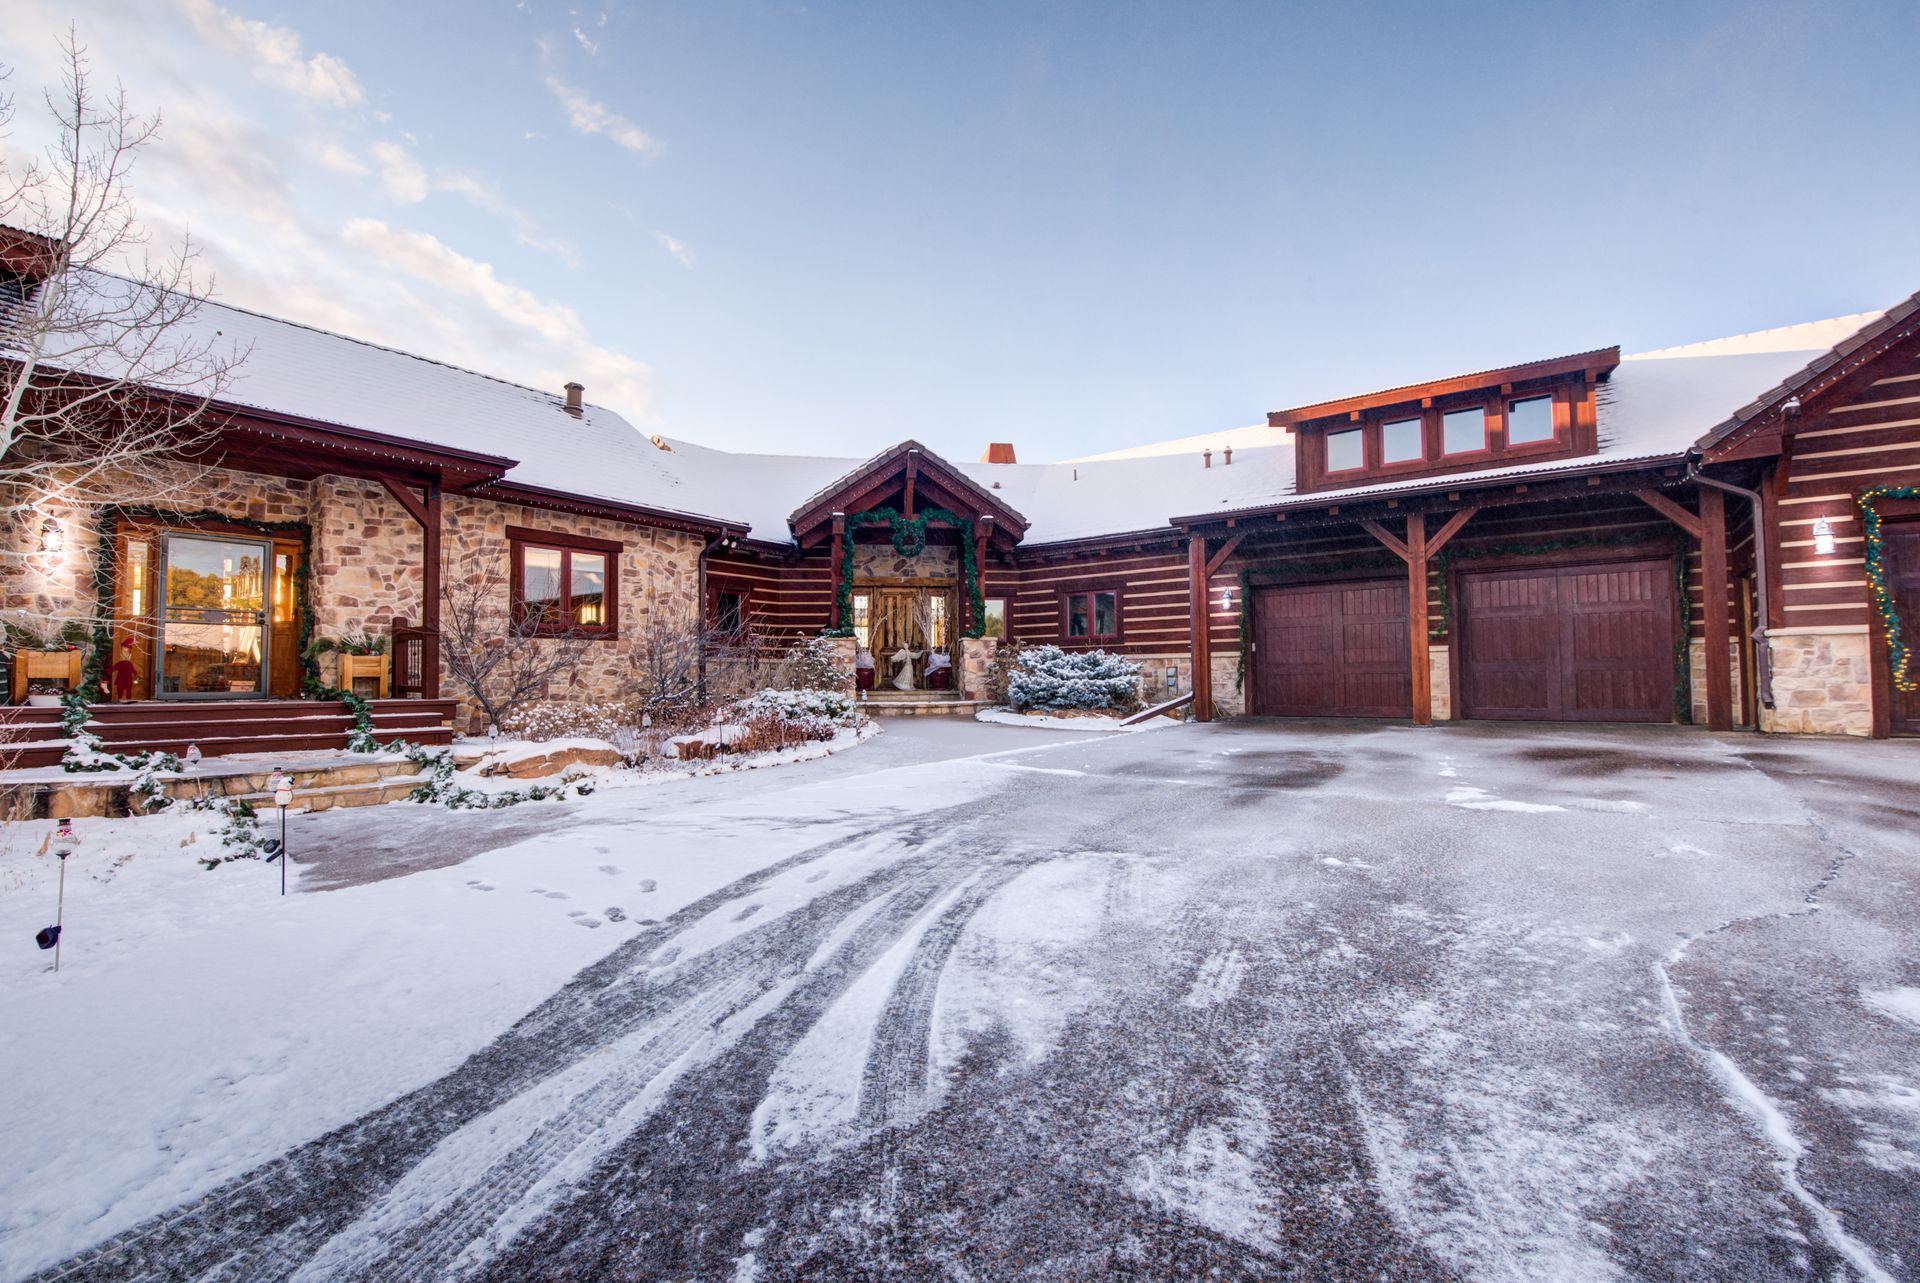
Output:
x=822 y=228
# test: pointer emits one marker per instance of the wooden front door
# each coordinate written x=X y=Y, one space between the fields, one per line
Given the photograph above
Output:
x=915 y=619
x=222 y=645
x=1332 y=650
x=1901 y=551
x=1568 y=643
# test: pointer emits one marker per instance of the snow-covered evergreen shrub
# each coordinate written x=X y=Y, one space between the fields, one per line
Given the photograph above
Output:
x=1048 y=677
x=613 y=721
x=834 y=707
x=811 y=665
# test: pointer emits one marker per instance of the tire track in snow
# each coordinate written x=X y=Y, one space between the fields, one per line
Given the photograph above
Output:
x=263 y=1224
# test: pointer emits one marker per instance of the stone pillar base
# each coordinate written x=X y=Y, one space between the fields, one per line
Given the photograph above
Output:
x=976 y=656
x=1822 y=681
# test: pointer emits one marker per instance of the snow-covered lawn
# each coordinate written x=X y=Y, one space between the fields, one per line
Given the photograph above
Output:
x=1222 y=1001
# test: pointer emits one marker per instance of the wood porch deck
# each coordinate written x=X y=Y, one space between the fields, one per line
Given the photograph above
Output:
x=31 y=736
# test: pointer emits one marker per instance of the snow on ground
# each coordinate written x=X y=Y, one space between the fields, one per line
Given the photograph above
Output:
x=1054 y=722
x=1231 y=1002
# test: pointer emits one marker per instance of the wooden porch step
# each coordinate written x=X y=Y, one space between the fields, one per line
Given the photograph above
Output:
x=295 y=741
x=950 y=706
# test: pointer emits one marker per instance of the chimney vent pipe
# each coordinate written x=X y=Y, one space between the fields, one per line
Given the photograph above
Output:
x=574 y=392
x=1206 y=457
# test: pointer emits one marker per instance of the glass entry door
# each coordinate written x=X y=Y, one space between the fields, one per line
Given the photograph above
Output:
x=213 y=617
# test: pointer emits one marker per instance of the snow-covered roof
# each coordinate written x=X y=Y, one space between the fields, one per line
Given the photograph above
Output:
x=1655 y=405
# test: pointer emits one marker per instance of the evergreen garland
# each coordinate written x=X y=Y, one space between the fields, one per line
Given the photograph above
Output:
x=1899 y=652
x=910 y=540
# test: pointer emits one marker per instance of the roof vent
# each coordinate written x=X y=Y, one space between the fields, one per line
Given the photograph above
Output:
x=660 y=443
x=999 y=452
x=1226 y=456
x=574 y=392
x=1206 y=457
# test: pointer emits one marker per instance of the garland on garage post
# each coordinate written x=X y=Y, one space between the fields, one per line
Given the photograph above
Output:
x=910 y=540
x=1899 y=651
x=1682 y=667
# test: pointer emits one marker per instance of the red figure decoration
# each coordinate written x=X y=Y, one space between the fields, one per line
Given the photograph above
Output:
x=124 y=673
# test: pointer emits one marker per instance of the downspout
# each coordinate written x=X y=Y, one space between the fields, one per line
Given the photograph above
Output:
x=1762 y=653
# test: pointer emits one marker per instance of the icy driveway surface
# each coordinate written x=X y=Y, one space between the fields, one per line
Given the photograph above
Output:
x=1232 y=1002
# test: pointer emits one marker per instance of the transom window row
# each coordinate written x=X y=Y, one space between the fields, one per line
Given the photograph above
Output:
x=1404 y=438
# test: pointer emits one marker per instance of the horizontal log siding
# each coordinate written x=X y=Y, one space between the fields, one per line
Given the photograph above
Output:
x=1865 y=432
x=1154 y=612
x=790 y=599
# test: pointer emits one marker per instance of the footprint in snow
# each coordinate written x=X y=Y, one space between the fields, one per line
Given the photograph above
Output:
x=608 y=868
x=588 y=922
x=616 y=914
x=481 y=886
x=603 y=850
x=647 y=884
x=815 y=877
x=556 y=895
x=576 y=913
x=746 y=913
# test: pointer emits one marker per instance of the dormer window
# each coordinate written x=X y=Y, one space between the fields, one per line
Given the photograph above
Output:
x=1522 y=413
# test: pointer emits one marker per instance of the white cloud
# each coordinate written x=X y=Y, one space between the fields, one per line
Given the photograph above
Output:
x=340 y=160
x=276 y=55
x=676 y=247
x=484 y=194
x=590 y=117
x=428 y=259
x=400 y=174
x=587 y=42
x=224 y=166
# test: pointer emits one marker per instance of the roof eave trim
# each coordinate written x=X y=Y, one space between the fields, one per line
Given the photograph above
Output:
x=613 y=509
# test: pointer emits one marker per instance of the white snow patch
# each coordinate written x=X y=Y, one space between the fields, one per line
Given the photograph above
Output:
x=1049 y=722
x=1212 y=1178
x=1469 y=798
x=1218 y=980
x=1903 y=1004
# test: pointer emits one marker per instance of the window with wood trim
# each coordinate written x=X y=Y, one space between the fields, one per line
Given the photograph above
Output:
x=1091 y=616
x=564 y=585
x=729 y=608
x=1457 y=433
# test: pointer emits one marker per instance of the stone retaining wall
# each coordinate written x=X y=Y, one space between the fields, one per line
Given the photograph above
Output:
x=1822 y=681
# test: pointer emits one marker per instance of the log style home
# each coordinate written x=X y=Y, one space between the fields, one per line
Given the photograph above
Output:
x=1726 y=533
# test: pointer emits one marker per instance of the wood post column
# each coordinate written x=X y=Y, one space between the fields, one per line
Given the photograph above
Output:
x=1417 y=620
x=834 y=559
x=1202 y=645
x=425 y=509
x=1716 y=594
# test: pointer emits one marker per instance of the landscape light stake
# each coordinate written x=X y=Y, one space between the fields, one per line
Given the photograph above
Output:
x=63 y=844
x=282 y=798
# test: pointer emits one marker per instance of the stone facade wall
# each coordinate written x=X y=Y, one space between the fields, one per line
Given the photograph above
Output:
x=367 y=564
x=880 y=561
x=1229 y=700
x=46 y=588
x=976 y=656
x=658 y=584
x=1697 y=677
x=1822 y=681
x=1440 y=674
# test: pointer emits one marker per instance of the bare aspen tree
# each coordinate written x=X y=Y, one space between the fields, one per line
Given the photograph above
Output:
x=105 y=380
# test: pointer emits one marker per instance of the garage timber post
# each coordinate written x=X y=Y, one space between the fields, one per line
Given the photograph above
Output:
x=1202 y=633
x=1715 y=594
x=1417 y=550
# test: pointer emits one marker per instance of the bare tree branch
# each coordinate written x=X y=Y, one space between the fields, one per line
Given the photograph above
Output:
x=502 y=661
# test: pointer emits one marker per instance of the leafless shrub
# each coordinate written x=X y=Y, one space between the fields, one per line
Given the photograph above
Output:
x=502 y=661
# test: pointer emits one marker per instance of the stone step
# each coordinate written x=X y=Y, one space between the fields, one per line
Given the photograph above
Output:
x=952 y=706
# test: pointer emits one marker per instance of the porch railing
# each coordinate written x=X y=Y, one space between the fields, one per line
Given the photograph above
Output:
x=416 y=662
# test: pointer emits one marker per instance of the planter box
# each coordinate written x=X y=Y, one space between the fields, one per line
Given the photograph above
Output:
x=31 y=666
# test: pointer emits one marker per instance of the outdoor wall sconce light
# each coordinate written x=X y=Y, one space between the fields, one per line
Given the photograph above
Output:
x=53 y=537
x=1226 y=599
x=1822 y=536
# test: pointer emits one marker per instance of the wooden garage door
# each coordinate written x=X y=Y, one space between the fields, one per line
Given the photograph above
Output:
x=1569 y=643
x=1332 y=650
x=1902 y=556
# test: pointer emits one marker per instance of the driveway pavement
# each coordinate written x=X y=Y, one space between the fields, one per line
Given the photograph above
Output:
x=1248 y=1001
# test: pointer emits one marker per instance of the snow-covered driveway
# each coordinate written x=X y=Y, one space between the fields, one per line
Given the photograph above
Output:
x=1245 y=1001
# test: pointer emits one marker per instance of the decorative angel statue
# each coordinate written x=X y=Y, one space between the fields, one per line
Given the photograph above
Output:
x=903 y=659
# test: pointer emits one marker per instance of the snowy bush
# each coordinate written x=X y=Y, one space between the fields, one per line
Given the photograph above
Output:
x=612 y=721
x=812 y=665
x=1048 y=677
x=831 y=706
